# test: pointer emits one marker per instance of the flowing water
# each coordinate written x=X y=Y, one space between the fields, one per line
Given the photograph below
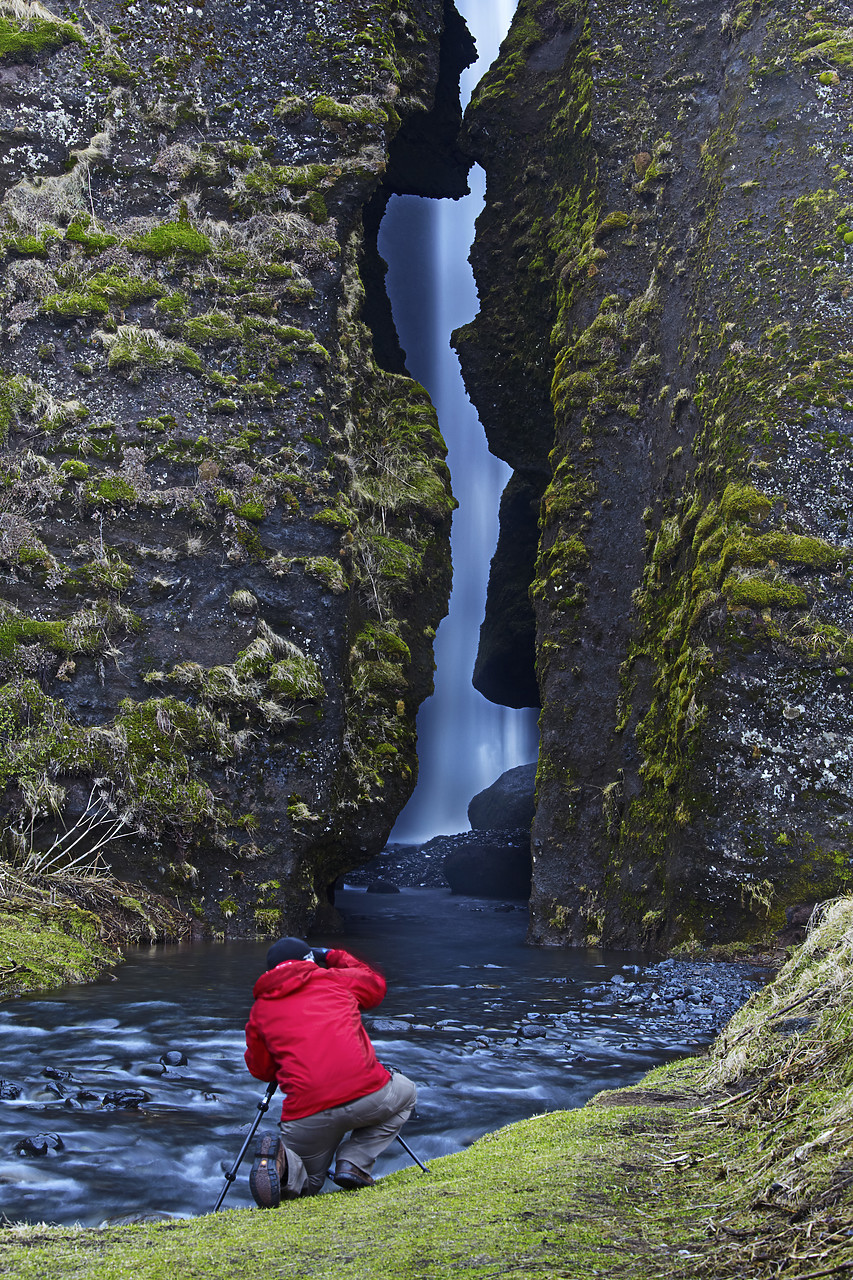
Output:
x=464 y=741
x=492 y=1031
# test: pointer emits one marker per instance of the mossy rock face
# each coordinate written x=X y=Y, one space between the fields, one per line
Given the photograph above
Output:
x=663 y=333
x=193 y=415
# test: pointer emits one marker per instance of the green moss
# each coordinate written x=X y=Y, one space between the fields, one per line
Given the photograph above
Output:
x=96 y=293
x=46 y=946
x=110 y=573
x=317 y=208
x=74 y=470
x=171 y=238
x=131 y=345
x=15 y=631
x=252 y=509
x=174 y=305
x=328 y=571
x=79 y=232
x=824 y=43
x=20 y=41
x=742 y=502
x=325 y=108
x=757 y=593
x=114 y=490
x=31 y=246
x=290 y=107
x=789 y=548
x=297 y=677
x=268 y=179
x=616 y=221
x=211 y=327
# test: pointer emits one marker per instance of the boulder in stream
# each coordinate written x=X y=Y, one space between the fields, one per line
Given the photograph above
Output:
x=507 y=803
x=489 y=864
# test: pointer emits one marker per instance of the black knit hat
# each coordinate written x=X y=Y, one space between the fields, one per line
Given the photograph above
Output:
x=288 y=949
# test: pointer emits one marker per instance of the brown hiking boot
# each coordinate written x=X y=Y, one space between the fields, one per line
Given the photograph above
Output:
x=268 y=1172
x=350 y=1176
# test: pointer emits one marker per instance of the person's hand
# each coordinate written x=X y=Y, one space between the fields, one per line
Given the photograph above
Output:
x=320 y=954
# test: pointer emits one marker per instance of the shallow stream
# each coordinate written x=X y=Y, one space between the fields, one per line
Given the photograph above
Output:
x=491 y=1030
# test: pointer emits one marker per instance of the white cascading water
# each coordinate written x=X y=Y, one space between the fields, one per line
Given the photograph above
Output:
x=464 y=741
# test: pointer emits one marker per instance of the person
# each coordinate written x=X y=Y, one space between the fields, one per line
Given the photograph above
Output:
x=305 y=1031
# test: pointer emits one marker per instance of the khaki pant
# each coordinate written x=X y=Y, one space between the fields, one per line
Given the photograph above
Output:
x=372 y=1122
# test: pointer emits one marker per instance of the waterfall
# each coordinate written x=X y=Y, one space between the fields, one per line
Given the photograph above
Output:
x=464 y=741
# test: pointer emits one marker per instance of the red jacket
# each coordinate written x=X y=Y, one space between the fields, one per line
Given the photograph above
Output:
x=305 y=1031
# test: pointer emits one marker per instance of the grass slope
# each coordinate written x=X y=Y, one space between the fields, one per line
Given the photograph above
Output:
x=737 y=1165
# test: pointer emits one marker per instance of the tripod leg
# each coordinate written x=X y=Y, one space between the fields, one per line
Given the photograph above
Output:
x=407 y=1148
x=231 y=1175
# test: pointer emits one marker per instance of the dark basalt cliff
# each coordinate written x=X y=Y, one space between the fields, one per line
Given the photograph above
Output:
x=223 y=527
x=665 y=354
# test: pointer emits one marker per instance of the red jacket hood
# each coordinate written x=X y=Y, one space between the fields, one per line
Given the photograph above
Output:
x=284 y=979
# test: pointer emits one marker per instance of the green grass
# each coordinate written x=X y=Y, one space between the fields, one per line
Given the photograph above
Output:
x=532 y=1200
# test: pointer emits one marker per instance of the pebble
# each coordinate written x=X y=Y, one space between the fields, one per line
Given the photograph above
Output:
x=533 y=1031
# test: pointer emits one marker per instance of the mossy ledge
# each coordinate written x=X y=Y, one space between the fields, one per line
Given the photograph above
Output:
x=730 y=1165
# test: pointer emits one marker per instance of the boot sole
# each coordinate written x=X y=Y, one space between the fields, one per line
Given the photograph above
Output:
x=264 y=1179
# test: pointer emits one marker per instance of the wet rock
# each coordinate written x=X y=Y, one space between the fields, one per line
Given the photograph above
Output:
x=39 y=1144
x=382 y=886
x=490 y=864
x=56 y=1073
x=409 y=866
x=795 y=1026
x=532 y=1031
x=173 y=1058
x=9 y=1091
x=123 y=1099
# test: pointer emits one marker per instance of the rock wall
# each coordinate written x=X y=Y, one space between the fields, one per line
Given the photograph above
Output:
x=223 y=527
x=664 y=349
